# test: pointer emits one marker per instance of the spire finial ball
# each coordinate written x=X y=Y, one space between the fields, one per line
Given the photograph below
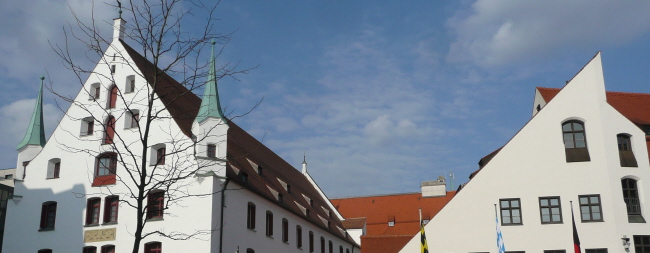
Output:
x=42 y=78
x=213 y=42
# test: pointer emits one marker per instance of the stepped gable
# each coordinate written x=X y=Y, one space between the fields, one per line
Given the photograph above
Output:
x=182 y=104
x=243 y=147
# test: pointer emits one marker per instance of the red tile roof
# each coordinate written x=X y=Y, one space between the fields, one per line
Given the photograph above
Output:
x=378 y=210
x=384 y=243
x=354 y=223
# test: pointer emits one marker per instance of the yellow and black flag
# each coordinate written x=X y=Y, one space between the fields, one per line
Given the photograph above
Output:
x=424 y=248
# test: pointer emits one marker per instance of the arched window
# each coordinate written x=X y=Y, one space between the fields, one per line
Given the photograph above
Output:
x=156 y=204
x=340 y=249
x=299 y=236
x=105 y=168
x=53 y=168
x=285 y=230
x=269 y=223
x=112 y=99
x=311 y=241
x=44 y=251
x=109 y=130
x=575 y=141
x=249 y=250
x=322 y=244
x=331 y=247
x=153 y=247
x=90 y=249
x=250 y=217
x=48 y=215
x=625 y=151
x=631 y=198
x=108 y=249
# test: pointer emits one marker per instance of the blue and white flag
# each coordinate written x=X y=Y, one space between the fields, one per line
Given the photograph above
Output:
x=500 y=245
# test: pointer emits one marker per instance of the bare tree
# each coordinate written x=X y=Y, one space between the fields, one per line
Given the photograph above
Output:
x=174 y=65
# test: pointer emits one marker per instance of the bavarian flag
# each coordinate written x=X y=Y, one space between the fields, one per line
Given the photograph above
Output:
x=424 y=248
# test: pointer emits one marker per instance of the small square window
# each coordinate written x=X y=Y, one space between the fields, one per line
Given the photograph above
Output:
x=212 y=150
x=510 y=212
x=391 y=223
x=550 y=210
x=590 y=208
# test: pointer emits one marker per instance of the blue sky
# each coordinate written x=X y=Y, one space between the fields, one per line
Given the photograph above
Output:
x=381 y=95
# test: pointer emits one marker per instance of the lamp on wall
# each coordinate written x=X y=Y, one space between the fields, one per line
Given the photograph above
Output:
x=626 y=242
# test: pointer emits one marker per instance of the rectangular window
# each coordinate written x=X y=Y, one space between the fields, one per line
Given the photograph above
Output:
x=57 y=170
x=590 y=208
x=111 y=208
x=132 y=85
x=48 y=215
x=322 y=245
x=250 y=220
x=134 y=120
x=269 y=223
x=510 y=212
x=625 y=153
x=153 y=247
x=212 y=150
x=112 y=69
x=642 y=243
x=595 y=250
x=160 y=156
x=550 y=210
x=90 y=249
x=97 y=90
x=555 y=251
x=92 y=211
x=331 y=248
x=156 y=205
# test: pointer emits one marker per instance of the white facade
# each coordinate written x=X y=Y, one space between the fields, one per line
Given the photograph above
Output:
x=74 y=150
x=533 y=165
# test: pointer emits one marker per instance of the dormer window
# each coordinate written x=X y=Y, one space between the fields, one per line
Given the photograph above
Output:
x=575 y=141
x=625 y=151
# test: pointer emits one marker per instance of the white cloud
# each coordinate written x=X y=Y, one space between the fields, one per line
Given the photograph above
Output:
x=14 y=119
x=500 y=32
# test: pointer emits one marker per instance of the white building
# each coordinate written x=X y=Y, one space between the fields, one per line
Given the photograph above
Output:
x=74 y=192
x=585 y=150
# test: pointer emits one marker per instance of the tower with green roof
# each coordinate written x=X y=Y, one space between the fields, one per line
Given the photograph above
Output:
x=34 y=139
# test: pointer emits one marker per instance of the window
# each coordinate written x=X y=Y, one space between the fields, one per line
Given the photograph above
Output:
x=250 y=220
x=280 y=198
x=347 y=250
x=53 y=168
x=596 y=251
x=311 y=241
x=155 y=204
x=90 y=249
x=212 y=150
x=45 y=251
x=105 y=169
x=111 y=209
x=9 y=176
x=87 y=126
x=550 y=210
x=510 y=212
x=94 y=91
x=590 y=208
x=340 y=249
x=48 y=215
x=132 y=119
x=299 y=236
x=112 y=69
x=322 y=245
x=112 y=99
x=288 y=188
x=575 y=141
x=269 y=223
x=153 y=247
x=625 y=151
x=109 y=130
x=160 y=156
x=631 y=198
x=642 y=243
x=108 y=249
x=92 y=211
x=244 y=177
x=249 y=250
x=130 y=84
x=330 y=249
x=285 y=230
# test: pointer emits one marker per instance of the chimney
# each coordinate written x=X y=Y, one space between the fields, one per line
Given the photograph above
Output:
x=118 y=28
x=436 y=188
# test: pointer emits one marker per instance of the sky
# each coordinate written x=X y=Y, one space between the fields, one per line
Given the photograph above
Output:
x=379 y=95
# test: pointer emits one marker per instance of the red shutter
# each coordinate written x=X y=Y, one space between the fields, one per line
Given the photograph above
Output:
x=113 y=97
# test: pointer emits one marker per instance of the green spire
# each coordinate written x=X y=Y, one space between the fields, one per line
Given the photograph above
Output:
x=36 y=130
x=210 y=106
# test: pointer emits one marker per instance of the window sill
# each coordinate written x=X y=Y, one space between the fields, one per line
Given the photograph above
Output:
x=109 y=223
x=50 y=178
x=592 y=221
x=552 y=223
x=251 y=229
x=270 y=236
x=104 y=180
x=45 y=229
x=91 y=225
x=156 y=219
x=513 y=224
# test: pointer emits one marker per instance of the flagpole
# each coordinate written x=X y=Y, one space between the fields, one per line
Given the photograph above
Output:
x=501 y=248
x=576 y=239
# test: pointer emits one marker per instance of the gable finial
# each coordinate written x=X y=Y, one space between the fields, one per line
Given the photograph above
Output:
x=119 y=6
